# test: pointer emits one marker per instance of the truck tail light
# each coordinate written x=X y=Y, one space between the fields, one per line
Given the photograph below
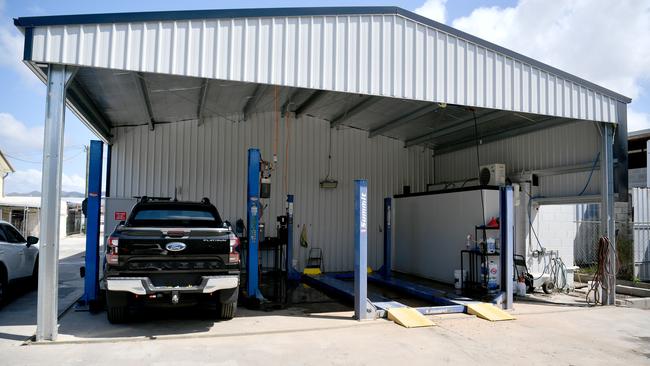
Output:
x=233 y=257
x=112 y=252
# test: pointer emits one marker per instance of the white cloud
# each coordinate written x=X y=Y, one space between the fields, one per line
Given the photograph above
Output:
x=637 y=120
x=19 y=139
x=605 y=42
x=602 y=41
x=434 y=9
x=27 y=180
x=11 y=49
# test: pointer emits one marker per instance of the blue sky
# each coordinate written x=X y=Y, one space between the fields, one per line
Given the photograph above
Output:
x=553 y=31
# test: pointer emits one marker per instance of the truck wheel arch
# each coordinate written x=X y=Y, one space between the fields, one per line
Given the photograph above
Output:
x=4 y=273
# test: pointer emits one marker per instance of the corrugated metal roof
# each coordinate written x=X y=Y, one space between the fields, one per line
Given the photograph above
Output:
x=375 y=52
x=189 y=15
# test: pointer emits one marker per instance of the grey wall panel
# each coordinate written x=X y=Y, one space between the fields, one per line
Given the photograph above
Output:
x=210 y=160
x=567 y=145
x=388 y=55
x=431 y=230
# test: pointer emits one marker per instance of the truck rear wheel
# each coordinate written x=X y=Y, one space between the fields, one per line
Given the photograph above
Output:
x=227 y=303
x=117 y=307
x=227 y=311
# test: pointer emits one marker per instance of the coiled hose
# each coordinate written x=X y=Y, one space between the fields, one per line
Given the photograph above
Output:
x=603 y=271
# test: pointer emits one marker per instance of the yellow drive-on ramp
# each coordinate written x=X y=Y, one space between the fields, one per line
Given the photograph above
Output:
x=409 y=318
x=488 y=312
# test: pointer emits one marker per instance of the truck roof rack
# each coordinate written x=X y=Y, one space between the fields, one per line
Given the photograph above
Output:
x=144 y=199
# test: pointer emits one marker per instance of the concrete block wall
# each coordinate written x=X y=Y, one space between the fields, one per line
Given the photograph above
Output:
x=557 y=230
x=623 y=218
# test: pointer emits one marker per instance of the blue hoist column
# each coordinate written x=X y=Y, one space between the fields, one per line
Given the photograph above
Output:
x=253 y=224
x=361 y=250
x=93 y=204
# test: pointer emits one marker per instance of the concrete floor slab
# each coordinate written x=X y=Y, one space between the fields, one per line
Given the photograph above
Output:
x=541 y=335
x=320 y=332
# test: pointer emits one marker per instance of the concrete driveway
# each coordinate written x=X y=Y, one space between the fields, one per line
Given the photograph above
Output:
x=18 y=317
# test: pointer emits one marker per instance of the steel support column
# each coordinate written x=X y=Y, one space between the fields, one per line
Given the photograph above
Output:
x=48 y=272
x=361 y=249
x=507 y=225
x=94 y=198
x=607 y=224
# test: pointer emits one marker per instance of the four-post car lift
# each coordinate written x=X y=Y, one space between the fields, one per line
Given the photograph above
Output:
x=366 y=306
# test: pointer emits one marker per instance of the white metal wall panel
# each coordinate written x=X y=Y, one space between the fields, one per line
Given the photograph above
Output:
x=386 y=55
x=562 y=146
x=210 y=160
x=641 y=205
x=428 y=240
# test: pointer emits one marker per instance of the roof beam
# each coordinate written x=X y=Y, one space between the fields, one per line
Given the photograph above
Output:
x=290 y=100
x=144 y=89
x=85 y=106
x=502 y=134
x=253 y=99
x=467 y=123
x=200 y=110
x=310 y=101
x=402 y=120
x=351 y=112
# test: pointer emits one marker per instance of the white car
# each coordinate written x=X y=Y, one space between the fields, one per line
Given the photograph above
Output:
x=18 y=258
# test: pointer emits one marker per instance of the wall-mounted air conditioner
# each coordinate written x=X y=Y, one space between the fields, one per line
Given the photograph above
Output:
x=493 y=175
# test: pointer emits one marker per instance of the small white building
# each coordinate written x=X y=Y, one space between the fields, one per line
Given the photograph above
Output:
x=24 y=214
x=5 y=169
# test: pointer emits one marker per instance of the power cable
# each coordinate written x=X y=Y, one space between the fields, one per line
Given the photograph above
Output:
x=478 y=165
x=20 y=159
x=40 y=161
x=591 y=173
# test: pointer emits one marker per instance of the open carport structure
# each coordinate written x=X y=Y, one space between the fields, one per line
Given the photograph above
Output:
x=377 y=93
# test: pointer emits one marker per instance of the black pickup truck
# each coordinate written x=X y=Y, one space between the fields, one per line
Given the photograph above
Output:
x=171 y=253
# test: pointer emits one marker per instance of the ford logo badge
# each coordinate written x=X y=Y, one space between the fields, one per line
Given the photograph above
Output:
x=175 y=246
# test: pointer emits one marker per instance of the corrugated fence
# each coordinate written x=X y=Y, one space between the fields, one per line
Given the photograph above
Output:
x=641 y=207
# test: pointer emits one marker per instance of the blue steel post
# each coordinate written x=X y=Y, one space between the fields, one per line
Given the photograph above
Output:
x=91 y=279
x=507 y=223
x=360 y=249
x=386 y=269
x=252 y=208
x=109 y=160
x=292 y=274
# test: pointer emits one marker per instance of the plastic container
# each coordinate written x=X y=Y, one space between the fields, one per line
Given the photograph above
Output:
x=520 y=288
x=459 y=278
x=493 y=276
x=491 y=247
